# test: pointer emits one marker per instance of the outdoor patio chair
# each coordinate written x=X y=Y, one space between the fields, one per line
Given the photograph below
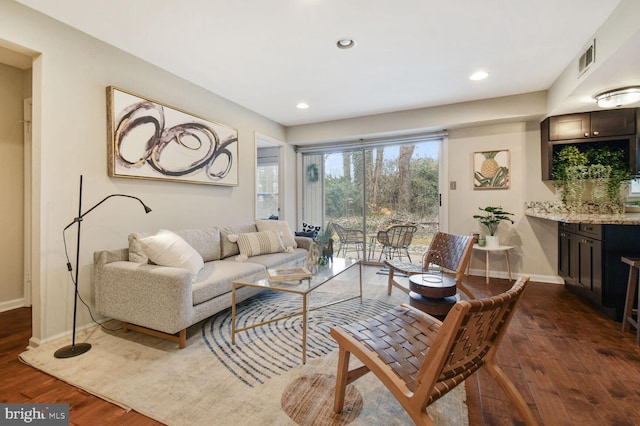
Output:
x=419 y=359
x=349 y=237
x=395 y=239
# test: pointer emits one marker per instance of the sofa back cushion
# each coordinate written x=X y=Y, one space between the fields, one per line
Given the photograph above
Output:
x=281 y=227
x=227 y=247
x=136 y=253
x=205 y=241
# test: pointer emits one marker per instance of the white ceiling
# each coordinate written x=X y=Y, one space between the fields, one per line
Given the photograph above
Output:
x=269 y=55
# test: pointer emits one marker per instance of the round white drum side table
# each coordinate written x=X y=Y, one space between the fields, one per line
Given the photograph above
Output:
x=488 y=251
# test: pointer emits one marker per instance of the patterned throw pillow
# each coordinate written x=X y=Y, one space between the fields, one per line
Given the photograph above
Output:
x=314 y=229
x=257 y=243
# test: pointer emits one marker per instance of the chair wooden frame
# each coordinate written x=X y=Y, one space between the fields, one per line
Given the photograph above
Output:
x=419 y=358
x=453 y=254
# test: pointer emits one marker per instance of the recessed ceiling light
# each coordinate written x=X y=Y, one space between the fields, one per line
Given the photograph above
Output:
x=480 y=75
x=302 y=105
x=345 y=43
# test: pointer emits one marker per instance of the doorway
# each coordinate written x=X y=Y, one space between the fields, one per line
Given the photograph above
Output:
x=268 y=178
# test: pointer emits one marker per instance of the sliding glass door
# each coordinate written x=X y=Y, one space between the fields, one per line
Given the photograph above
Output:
x=362 y=191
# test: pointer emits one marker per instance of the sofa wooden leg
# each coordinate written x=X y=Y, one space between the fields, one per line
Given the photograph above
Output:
x=180 y=338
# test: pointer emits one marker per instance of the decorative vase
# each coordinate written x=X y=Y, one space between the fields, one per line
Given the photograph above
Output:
x=327 y=250
x=492 y=241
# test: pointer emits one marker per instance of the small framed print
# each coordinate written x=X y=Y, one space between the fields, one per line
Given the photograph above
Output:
x=491 y=169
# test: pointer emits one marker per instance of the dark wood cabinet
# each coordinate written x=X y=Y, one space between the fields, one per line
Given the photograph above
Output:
x=567 y=259
x=614 y=128
x=589 y=262
x=571 y=126
x=611 y=122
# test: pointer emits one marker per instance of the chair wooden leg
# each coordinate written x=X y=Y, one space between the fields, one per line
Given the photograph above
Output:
x=390 y=280
x=341 y=379
x=512 y=392
x=466 y=291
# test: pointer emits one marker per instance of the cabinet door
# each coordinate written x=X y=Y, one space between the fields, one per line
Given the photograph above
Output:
x=590 y=268
x=613 y=122
x=567 y=256
x=570 y=126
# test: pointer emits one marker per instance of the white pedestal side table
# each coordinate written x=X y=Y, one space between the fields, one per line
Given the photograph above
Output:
x=488 y=251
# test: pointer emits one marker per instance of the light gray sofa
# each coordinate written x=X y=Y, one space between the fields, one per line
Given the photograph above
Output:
x=162 y=300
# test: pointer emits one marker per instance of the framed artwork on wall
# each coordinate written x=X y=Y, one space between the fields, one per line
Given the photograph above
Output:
x=491 y=169
x=149 y=140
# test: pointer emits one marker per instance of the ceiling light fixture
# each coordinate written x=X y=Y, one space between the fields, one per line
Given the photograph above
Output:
x=618 y=97
x=302 y=105
x=345 y=43
x=480 y=75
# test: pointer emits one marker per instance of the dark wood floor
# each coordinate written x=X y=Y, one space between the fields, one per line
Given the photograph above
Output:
x=573 y=366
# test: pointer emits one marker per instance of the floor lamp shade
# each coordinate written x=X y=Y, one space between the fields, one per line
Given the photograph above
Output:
x=75 y=349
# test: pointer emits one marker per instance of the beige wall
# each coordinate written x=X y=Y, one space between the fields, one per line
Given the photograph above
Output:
x=535 y=242
x=69 y=139
x=11 y=187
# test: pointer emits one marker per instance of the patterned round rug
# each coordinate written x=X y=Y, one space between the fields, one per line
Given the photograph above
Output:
x=273 y=349
x=308 y=400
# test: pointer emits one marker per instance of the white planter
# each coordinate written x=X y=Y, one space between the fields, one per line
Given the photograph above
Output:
x=492 y=241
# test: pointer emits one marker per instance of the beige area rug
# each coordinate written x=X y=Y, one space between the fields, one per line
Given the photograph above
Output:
x=254 y=382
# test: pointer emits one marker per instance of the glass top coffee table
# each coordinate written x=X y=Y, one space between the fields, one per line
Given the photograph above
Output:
x=302 y=287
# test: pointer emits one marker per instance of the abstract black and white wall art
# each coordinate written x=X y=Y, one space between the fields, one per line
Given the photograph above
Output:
x=149 y=140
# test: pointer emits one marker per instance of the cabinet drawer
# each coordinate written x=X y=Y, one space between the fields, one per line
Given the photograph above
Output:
x=567 y=227
x=590 y=230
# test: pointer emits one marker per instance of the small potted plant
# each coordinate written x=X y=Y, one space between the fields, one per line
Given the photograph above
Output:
x=491 y=219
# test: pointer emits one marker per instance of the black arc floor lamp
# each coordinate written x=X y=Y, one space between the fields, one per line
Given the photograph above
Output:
x=78 y=349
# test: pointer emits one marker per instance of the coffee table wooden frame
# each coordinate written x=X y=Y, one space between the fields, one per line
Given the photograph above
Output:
x=303 y=288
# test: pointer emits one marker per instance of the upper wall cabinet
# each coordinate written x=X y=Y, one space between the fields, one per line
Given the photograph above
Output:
x=613 y=122
x=617 y=128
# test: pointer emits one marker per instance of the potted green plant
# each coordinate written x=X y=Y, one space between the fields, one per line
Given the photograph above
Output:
x=324 y=239
x=491 y=219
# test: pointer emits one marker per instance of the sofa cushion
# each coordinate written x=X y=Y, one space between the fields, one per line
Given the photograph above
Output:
x=227 y=247
x=279 y=226
x=277 y=259
x=216 y=277
x=205 y=240
x=257 y=243
x=167 y=248
x=136 y=253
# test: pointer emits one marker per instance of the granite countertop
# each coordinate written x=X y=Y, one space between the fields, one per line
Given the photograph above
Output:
x=556 y=211
x=602 y=219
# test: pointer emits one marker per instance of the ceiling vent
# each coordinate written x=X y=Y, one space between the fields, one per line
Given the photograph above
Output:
x=587 y=58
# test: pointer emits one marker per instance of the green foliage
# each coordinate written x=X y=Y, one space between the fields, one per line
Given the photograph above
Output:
x=605 y=166
x=492 y=218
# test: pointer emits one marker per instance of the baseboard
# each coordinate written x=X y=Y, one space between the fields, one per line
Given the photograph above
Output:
x=549 y=279
x=11 y=304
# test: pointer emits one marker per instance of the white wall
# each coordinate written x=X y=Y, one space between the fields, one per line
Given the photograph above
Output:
x=69 y=80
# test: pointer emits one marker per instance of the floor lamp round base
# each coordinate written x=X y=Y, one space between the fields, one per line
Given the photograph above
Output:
x=72 y=350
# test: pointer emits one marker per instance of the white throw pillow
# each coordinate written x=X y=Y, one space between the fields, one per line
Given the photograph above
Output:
x=167 y=248
x=256 y=243
x=281 y=227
